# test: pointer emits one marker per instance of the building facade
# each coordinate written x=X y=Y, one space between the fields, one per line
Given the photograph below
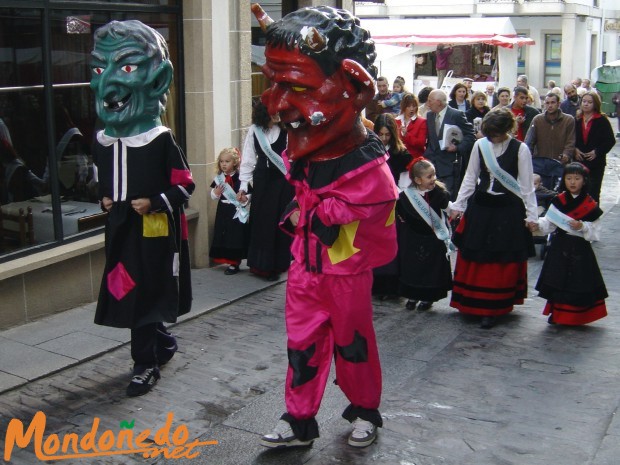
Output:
x=572 y=37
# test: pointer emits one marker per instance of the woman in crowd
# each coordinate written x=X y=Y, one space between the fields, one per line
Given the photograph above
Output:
x=458 y=97
x=478 y=109
x=503 y=95
x=594 y=138
x=262 y=165
x=494 y=241
x=412 y=126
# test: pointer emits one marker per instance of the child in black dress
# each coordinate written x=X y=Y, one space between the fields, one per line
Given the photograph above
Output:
x=423 y=238
x=230 y=234
x=570 y=278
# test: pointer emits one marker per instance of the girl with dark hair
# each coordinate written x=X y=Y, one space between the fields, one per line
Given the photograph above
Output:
x=458 y=97
x=594 y=138
x=497 y=195
x=269 y=249
x=570 y=278
x=385 y=278
x=411 y=126
x=386 y=127
x=423 y=238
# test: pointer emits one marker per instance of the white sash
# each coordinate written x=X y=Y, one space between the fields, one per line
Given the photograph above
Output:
x=241 y=214
x=562 y=220
x=266 y=146
x=437 y=224
x=501 y=175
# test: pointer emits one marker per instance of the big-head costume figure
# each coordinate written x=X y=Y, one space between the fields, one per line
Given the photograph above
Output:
x=319 y=61
x=144 y=180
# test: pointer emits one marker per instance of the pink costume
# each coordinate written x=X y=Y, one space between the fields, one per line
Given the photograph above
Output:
x=346 y=228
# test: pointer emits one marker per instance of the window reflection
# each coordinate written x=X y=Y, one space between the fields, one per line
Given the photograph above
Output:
x=26 y=180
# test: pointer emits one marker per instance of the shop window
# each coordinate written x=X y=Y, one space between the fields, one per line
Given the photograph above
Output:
x=553 y=57
x=61 y=195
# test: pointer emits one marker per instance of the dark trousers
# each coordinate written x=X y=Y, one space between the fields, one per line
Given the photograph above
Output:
x=151 y=345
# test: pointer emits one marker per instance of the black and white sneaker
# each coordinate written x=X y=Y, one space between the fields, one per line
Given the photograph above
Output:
x=142 y=383
x=364 y=433
x=283 y=436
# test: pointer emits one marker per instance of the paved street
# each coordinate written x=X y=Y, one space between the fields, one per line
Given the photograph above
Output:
x=522 y=393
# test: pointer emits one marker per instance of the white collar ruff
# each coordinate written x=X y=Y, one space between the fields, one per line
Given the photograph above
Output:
x=139 y=140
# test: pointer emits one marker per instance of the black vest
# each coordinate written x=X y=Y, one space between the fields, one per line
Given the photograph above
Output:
x=508 y=161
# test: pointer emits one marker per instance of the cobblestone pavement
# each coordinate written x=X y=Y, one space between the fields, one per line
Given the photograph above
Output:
x=523 y=393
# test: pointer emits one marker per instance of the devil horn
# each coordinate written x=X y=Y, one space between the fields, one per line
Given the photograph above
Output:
x=314 y=39
x=263 y=18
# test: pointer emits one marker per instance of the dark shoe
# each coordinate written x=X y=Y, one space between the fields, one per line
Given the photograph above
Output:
x=142 y=383
x=232 y=269
x=411 y=304
x=364 y=433
x=424 y=305
x=487 y=322
x=551 y=321
x=273 y=276
x=283 y=436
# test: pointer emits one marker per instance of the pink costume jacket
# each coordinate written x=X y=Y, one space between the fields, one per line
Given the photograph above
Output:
x=346 y=204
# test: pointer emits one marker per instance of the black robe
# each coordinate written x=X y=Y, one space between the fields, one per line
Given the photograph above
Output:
x=147 y=271
x=270 y=247
x=425 y=272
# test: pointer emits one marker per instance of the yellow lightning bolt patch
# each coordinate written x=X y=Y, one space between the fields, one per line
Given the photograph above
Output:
x=343 y=247
x=391 y=218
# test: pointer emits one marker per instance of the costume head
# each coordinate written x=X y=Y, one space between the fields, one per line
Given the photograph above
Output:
x=131 y=75
x=319 y=61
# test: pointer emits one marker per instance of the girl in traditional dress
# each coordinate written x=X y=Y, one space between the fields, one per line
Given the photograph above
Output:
x=423 y=238
x=269 y=252
x=230 y=234
x=570 y=278
x=497 y=196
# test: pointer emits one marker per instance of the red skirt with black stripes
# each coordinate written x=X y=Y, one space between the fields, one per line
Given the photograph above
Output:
x=488 y=289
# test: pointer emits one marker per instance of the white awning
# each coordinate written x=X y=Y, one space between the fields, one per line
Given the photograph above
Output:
x=431 y=32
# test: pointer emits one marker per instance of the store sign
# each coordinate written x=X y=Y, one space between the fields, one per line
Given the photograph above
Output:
x=612 y=25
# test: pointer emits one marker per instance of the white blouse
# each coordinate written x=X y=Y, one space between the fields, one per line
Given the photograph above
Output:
x=248 y=154
x=524 y=178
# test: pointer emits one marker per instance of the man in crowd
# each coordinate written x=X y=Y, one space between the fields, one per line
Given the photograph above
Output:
x=441 y=62
x=524 y=114
x=586 y=84
x=571 y=103
x=320 y=65
x=373 y=109
x=492 y=99
x=577 y=82
x=522 y=81
x=551 y=139
x=468 y=83
x=450 y=159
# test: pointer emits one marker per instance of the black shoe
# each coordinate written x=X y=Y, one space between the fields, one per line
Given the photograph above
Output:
x=232 y=269
x=551 y=321
x=487 y=322
x=142 y=383
x=424 y=305
x=411 y=304
x=273 y=276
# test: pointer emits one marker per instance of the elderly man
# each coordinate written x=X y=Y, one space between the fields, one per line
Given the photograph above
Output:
x=319 y=62
x=571 y=103
x=551 y=139
x=492 y=99
x=522 y=81
x=449 y=158
x=374 y=109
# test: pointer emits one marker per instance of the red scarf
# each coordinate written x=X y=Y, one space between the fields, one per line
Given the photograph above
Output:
x=579 y=211
x=585 y=127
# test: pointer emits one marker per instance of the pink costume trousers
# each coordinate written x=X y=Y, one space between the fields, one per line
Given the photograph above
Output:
x=330 y=316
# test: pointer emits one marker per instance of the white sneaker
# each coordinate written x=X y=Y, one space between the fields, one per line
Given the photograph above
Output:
x=364 y=433
x=283 y=436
